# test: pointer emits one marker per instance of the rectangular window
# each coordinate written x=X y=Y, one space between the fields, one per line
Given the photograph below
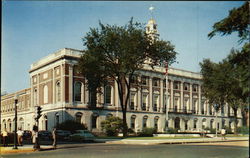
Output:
x=144 y=80
x=155 y=102
x=144 y=102
x=156 y=82
x=132 y=101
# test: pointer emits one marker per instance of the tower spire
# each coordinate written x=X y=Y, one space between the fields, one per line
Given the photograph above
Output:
x=151 y=9
x=151 y=28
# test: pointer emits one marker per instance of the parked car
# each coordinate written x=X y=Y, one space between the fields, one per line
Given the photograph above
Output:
x=45 y=135
x=63 y=134
x=27 y=135
x=82 y=135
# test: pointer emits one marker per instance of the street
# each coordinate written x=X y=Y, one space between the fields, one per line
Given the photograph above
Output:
x=238 y=149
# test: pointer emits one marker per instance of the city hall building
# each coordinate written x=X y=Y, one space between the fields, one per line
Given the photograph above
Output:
x=61 y=91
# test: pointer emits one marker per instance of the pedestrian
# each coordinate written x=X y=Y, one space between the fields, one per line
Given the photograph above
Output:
x=223 y=134
x=20 y=137
x=54 y=138
x=35 y=138
x=5 y=137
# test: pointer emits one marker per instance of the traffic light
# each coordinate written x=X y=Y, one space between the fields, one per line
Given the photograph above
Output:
x=38 y=112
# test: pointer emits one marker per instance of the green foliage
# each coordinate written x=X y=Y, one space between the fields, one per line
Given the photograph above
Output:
x=71 y=125
x=112 y=125
x=243 y=130
x=228 y=130
x=237 y=21
x=131 y=131
x=147 y=132
x=212 y=130
x=117 y=52
x=172 y=130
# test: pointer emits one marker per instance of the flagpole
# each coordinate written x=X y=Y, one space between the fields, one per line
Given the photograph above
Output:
x=166 y=102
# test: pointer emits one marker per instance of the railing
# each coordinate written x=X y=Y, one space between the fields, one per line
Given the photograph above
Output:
x=185 y=111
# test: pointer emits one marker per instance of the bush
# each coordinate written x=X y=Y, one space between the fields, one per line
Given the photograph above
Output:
x=147 y=132
x=228 y=130
x=131 y=131
x=71 y=125
x=213 y=130
x=243 y=130
x=172 y=130
x=112 y=125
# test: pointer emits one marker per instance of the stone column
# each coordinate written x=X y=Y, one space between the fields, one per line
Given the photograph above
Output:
x=53 y=86
x=38 y=89
x=172 y=95
x=207 y=105
x=191 y=97
x=117 y=103
x=199 y=95
x=161 y=96
x=150 y=94
x=71 y=84
x=139 y=99
x=226 y=110
x=182 y=96
x=31 y=92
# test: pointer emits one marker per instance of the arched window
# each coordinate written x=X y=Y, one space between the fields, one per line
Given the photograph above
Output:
x=78 y=117
x=223 y=123
x=156 y=119
x=204 y=123
x=21 y=123
x=46 y=94
x=177 y=123
x=144 y=121
x=35 y=97
x=56 y=118
x=132 y=122
x=9 y=125
x=4 y=124
x=186 y=124
x=211 y=124
x=107 y=94
x=94 y=120
x=58 y=92
x=195 y=123
x=77 y=91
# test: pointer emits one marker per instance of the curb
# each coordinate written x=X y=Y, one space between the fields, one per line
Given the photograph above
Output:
x=13 y=151
x=170 y=142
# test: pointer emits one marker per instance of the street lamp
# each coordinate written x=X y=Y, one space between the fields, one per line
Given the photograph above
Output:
x=15 y=138
x=216 y=107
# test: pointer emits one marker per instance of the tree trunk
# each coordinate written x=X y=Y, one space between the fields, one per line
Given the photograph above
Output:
x=124 y=122
x=123 y=106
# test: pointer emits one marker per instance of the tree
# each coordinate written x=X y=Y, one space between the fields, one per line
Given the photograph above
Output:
x=118 y=53
x=214 y=84
x=71 y=125
x=112 y=125
x=237 y=63
x=237 y=21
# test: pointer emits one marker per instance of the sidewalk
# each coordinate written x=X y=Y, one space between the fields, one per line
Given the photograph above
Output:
x=24 y=148
x=170 y=141
x=29 y=148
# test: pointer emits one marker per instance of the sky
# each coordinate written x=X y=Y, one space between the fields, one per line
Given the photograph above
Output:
x=34 y=29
